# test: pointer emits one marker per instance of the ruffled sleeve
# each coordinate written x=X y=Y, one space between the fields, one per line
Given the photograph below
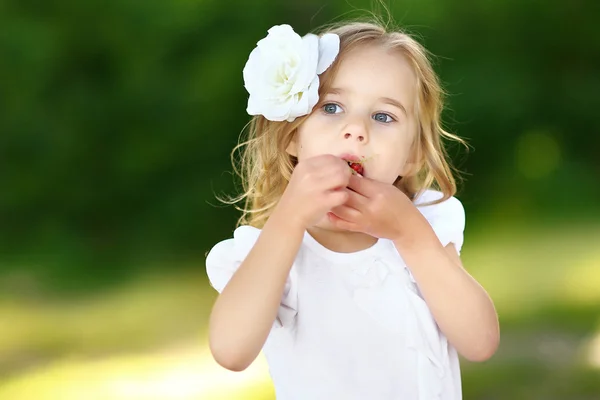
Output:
x=446 y=218
x=224 y=259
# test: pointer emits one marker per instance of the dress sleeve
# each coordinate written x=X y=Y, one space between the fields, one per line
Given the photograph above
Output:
x=446 y=218
x=224 y=259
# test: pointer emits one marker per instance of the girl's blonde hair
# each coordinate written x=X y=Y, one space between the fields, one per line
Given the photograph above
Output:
x=265 y=167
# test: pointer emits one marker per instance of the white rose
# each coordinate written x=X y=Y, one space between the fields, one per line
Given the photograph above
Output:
x=282 y=72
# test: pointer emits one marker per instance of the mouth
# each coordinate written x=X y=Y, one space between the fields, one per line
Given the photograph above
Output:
x=355 y=163
x=356 y=167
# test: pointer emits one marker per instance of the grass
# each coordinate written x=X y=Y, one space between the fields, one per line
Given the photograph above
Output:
x=182 y=372
x=151 y=311
x=146 y=339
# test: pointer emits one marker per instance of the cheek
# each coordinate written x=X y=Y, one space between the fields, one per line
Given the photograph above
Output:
x=394 y=164
x=394 y=144
x=392 y=159
x=311 y=137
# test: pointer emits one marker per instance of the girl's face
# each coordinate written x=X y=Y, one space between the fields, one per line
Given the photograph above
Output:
x=369 y=113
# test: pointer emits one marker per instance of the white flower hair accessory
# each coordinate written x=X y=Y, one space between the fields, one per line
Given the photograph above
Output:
x=282 y=72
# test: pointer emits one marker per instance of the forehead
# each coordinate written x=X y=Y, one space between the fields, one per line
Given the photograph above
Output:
x=375 y=71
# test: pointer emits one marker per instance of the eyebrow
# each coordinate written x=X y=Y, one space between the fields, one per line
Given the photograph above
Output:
x=386 y=100
x=394 y=103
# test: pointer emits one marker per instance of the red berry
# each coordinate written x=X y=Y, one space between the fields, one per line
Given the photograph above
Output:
x=356 y=167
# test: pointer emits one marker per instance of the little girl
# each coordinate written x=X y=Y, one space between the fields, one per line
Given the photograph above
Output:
x=345 y=264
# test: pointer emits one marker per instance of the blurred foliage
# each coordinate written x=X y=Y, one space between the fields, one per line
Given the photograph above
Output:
x=117 y=119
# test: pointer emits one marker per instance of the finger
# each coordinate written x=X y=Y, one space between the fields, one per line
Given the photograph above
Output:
x=347 y=213
x=356 y=200
x=329 y=160
x=338 y=197
x=342 y=223
x=331 y=182
x=323 y=166
x=361 y=185
x=336 y=176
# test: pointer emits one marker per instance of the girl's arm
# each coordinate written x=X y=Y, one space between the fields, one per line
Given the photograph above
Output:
x=245 y=310
x=461 y=307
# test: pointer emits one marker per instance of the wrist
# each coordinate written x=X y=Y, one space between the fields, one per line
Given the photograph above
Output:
x=420 y=235
x=286 y=219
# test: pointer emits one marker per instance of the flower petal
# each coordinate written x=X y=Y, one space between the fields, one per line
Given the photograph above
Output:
x=312 y=94
x=307 y=68
x=254 y=105
x=329 y=47
x=281 y=39
x=252 y=70
x=300 y=106
x=281 y=30
x=281 y=72
x=305 y=102
x=278 y=109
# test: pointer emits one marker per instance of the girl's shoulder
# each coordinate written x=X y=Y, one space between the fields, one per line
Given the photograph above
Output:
x=447 y=218
x=223 y=260
x=242 y=242
x=431 y=195
x=225 y=256
x=449 y=207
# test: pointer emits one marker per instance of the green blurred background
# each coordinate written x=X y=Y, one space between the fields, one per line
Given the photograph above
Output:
x=117 y=119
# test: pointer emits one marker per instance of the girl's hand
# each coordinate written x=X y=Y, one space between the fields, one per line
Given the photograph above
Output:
x=317 y=185
x=377 y=209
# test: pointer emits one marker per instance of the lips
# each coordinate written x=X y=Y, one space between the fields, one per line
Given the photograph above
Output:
x=354 y=162
x=356 y=167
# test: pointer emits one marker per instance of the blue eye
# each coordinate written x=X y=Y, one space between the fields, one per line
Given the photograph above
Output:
x=383 y=117
x=331 y=108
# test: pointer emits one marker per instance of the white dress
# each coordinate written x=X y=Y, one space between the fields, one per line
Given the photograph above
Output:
x=353 y=325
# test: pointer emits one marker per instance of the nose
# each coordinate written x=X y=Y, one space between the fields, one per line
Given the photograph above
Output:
x=356 y=130
x=359 y=137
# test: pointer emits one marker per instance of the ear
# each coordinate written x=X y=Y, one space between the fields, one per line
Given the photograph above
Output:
x=292 y=148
